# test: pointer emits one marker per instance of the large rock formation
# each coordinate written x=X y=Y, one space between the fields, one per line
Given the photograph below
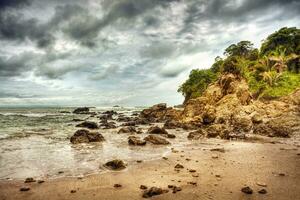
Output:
x=227 y=110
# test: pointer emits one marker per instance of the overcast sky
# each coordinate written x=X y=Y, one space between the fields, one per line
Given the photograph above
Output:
x=125 y=52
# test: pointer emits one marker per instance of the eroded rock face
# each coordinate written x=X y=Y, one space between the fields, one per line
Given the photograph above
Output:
x=85 y=136
x=155 y=139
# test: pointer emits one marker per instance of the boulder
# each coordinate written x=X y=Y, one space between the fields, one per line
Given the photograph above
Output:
x=108 y=125
x=85 y=136
x=156 y=130
x=87 y=124
x=216 y=130
x=127 y=129
x=136 y=141
x=171 y=124
x=155 y=139
x=209 y=114
x=115 y=164
x=83 y=110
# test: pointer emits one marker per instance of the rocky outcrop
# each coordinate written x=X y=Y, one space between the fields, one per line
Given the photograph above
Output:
x=155 y=139
x=160 y=113
x=87 y=124
x=85 y=136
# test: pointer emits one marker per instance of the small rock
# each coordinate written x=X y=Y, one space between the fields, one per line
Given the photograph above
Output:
x=115 y=164
x=87 y=124
x=73 y=191
x=262 y=191
x=215 y=156
x=136 y=141
x=261 y=184
x=24 y=189
x=192 y=170
x=192 y=183
x=247 y=190
x=154 y=139
x=178 y=166
x=157 y=130
x=139 y=161
x=61 y=172
x=117 y=185
x=143 y=187
x=153 y=191
x=29 y=180
x=222 y=150
x=281 y=174
x=41 y=181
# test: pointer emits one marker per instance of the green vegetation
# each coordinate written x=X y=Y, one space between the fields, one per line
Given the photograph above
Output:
x=271 y=71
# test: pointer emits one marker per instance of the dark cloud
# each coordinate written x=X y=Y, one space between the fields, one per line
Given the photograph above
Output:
x=4 y=4
x=15 y=65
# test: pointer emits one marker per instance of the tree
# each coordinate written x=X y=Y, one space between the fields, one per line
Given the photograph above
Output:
x=216 y=67
x=243 y=48
x=287 y=38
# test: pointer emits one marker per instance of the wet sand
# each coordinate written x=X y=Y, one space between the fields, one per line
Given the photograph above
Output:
x=218 y=175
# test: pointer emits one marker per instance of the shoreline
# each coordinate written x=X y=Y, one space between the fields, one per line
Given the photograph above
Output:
x=215 y=175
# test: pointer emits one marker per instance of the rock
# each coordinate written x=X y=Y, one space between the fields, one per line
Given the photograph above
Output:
x=154 y=139
x=24 y=189
x=256 y=118
x=262 y=191
x=160 y=113
x=156 y=130
x=215 y=156
x=192 y=183
x=73 y=191
x=87 y=124
x=171 y=124
x=83 y=110
x=170 y=136
x=110 y=112
x=84 y=136
x=117 y=185
x=247 y=190
x=130 y=123
x=133 y=140
x=40 y=181
x=77 y=120
x=222 y=150
x=108 y=125
x=29 y=180
x=192 y=170
x=143 y=187
x=217 y=130
x=274 y=128
x=196 y=135
x=209 y=114
x=261 y=184
x=115 y=165
x=179 y=166
x=127 y=129
x=124 y=119
x=153 y=191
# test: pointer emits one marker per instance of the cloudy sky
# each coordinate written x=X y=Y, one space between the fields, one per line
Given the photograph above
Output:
x=125 y=52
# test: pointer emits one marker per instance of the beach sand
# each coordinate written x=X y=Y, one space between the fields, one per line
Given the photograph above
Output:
x=218 y=176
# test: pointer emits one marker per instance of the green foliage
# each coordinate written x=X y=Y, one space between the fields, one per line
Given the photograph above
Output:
x=287 y=38
x=271 y=72
x=198 y=81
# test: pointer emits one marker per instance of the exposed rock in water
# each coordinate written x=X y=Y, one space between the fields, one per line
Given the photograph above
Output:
x=87 y=124
x=85 y=136
x=156 y=130
x=83 y=110
x=153 y=191
x=155 y=139
x=115 y=164
x=133 y=140
x=127 y=129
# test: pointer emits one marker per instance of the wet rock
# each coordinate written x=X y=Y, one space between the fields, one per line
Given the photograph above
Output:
x=196 y=135
x=108 y=125
x=170 y=136
x=29 y=180
x=156 y=130
x=262 y=191
x=130 y=123
x=153 y=191
x=133 y=140
x=87 y=124
x=127 y=129
x=84 y=136
x=110 y=112
x=143 y=187
x=106 y=117
x=247 y=190
x=179 y=166
x=24 y=189
x=154 y=139
x=83 y=110
x=115 y=165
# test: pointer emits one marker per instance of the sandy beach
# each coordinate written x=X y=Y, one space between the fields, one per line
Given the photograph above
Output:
x=207 y=174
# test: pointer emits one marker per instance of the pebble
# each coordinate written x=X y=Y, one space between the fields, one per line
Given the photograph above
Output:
x=179 y=166
x=24 y=189
x=29 y=180
x=247 y=190
x=262 y=191
x=73 y=191
x=41 y=181
x=215 y=156
x=143 y=187
x=261 y=184
x=117 y=185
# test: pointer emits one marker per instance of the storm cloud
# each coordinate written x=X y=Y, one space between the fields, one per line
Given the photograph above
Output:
x=135 y=52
